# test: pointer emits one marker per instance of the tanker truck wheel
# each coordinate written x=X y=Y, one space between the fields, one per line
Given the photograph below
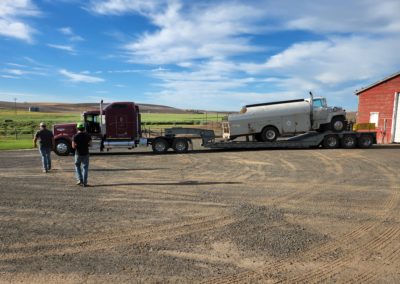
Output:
x=62 y=148
x=338 y=124
x=160 y=146
x=269 y=134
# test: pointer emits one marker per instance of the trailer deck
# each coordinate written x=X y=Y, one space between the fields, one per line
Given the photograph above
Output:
x=311 y=139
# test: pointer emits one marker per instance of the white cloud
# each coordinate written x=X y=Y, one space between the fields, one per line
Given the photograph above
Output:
x=11 y=22
x=339 y=16
x=79 y=77
x=184 y=33
x=67 y=31
x=10 y=77
x=21 y=72
x=118 y=7
x=14 y=71
x=68 y=48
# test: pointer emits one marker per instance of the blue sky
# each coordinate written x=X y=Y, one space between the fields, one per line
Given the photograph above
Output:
x=214 y=55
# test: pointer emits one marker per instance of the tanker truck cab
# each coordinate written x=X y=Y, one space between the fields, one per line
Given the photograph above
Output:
x=325 y=117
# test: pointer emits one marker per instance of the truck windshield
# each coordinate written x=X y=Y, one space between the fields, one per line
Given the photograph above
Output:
x=317 y=103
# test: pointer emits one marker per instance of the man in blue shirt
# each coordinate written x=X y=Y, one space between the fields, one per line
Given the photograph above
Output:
x=81 y=142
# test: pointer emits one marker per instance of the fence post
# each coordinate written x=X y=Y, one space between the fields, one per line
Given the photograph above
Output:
x=15 y=132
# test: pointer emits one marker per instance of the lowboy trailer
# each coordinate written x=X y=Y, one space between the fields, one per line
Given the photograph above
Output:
x=179 y=140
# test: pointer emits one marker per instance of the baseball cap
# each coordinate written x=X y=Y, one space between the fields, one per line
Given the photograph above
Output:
x=42 y=124
x=80 y=125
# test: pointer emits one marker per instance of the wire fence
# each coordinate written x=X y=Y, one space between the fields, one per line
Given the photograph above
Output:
x=26 y=130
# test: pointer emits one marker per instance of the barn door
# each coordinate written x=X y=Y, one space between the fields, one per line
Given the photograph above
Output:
x=396 y=120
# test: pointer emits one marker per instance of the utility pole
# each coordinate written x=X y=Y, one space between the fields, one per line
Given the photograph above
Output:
x=15 y=106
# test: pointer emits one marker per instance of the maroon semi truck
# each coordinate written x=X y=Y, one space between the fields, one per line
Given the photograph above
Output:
x=117 y=125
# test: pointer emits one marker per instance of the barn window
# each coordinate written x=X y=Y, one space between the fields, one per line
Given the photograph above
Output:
x=374 y=118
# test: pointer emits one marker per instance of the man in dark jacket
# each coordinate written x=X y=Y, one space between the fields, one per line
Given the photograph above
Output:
x=81 y=142
x=46 y=140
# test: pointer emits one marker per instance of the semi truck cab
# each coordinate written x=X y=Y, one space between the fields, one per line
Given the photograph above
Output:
x=113 y=126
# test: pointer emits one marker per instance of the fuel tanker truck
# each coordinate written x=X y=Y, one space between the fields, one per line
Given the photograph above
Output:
x=268 y=121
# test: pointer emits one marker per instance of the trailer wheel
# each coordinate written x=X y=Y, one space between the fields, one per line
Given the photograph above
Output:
x=365 y=141
x=180 y=145
x=349 y=141
x=331 y=142
x=160 y=146
x=62 y=147
x=269 y=134
x=338 y=124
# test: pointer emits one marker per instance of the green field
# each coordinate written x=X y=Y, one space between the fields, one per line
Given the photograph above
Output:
x=26 y=123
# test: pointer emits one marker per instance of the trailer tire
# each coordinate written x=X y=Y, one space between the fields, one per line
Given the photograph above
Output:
x=338 y=124
x=348 y=141
x=62 y=147
x=180 y=145
x=160 y=146
x=331 y=142
x=269 y=134
x=365 y=141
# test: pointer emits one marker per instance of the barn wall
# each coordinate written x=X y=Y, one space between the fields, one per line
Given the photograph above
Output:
x=379 y=99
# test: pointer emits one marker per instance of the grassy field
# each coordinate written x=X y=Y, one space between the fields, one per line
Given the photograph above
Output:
x=26 y=123
x=25 y=116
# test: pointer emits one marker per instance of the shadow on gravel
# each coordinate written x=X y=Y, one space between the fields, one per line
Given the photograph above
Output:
x=166 y=183
x=119 y=170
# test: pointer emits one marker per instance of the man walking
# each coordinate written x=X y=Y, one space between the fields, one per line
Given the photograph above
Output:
x=46 y=140
x=81 y=142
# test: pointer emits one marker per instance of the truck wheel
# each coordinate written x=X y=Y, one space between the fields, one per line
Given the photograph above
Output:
x=160 y=146
x=331 y=142
x=269 y=134
x=62 y=148
x=338 y=124
x=180 y=145
x=349 y=141
x=365 y=141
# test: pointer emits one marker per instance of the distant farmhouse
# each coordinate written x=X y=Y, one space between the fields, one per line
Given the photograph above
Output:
x=34 y=109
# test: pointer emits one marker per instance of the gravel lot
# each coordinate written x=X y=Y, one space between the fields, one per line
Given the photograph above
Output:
x=286 y=216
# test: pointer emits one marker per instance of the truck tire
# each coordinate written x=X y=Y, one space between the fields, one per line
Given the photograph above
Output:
x=180 y=145
x=160 y=146
x=365 y=141
x=348 y=141
x=338 y=124
x=330 y=142
x=269 y=134
x=62 y=148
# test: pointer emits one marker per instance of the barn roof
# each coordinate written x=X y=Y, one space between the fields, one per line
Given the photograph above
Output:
x=377 y=83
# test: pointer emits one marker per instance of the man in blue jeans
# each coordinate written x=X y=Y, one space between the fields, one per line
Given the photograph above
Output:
x=81 y=142
x=46 y=140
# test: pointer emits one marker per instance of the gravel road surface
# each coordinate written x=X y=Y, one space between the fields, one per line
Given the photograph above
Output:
x=279 y=216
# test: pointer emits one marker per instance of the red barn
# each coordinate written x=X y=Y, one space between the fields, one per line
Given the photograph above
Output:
x=379 y=103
